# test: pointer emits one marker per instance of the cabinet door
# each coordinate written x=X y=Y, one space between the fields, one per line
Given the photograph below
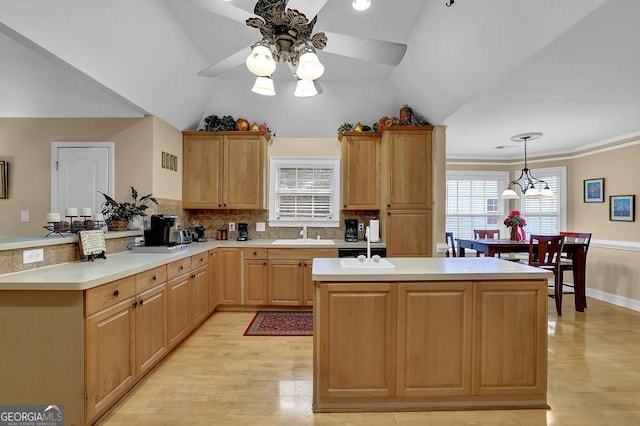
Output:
x=308 y=289
x=199 y=308
x=358 y=324
x=202 y=170
x=408 y=169
x=151 y=328
x=285 y=282
x=110 y=356
x=213 y=280
x=434 y=339
x=229 y=276
x=510 y=337
x=408 y=233
x=244 y=159
x=178 y=319
x=360 y=171
x=255 y=282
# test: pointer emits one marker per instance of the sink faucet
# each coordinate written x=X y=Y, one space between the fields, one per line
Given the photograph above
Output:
x=304 y=232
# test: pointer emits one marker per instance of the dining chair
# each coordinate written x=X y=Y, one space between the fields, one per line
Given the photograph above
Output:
x=451 y=252
x=545 y=252
x=566 y=261
x=480 y=234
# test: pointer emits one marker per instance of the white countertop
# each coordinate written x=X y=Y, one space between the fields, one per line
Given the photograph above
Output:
x=83 y=274
x=428 y=269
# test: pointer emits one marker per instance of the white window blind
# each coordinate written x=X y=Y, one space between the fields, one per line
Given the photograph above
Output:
x=304 y=192
x=546 y=215
x=473 y=201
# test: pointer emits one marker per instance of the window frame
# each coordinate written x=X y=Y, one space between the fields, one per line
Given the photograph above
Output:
x=275 y=163
x=502 y=178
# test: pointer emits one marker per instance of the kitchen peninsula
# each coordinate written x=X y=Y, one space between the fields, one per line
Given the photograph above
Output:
x=429 y=334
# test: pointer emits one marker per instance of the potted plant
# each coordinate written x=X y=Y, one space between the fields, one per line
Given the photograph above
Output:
x=118 y=215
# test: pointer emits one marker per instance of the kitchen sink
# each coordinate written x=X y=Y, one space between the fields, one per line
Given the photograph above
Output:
x=365 y=263
x=302 y=242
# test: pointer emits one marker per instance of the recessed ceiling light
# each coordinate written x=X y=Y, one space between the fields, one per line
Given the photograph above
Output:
x=361 y=4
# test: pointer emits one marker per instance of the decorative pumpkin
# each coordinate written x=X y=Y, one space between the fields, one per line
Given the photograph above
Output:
x=255 y=127
x=358 y=128
x=242 y=125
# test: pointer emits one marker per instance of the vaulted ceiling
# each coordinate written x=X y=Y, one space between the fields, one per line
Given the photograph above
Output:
x=486 y=69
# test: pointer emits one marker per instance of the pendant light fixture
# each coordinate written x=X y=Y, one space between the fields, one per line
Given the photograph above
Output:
x=530 y=186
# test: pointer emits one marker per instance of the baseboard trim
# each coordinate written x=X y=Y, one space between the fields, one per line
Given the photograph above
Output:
x=614 y=299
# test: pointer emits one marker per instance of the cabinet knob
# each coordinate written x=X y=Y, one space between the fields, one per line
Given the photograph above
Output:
x=153 y=278
x=135 y=304
x=181 y=267
x=264 y=263
x=116 y=293
x=193 y=275
x=345 y=206
x=300 y=264
x=141 y=302
x=219 y=205
x=224 y=205
x=255 y=253
x=388 y=205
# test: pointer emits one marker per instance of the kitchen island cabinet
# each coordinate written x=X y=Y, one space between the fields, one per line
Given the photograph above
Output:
x=224 y=170
x=429 y=334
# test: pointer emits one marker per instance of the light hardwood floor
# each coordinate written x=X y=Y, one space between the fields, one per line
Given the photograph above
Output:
x=220 y=377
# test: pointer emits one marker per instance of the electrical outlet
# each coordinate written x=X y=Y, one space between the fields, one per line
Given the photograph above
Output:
x=139 y=240
x=260 y=226
x=232 y=226
x=360 y=226
x=32 y=256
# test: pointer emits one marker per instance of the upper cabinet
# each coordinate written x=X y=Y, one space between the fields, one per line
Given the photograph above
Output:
x=224 y=170
x=360 y=171
x=407 y=168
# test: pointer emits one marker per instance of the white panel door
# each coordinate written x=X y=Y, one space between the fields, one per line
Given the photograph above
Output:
x=79 y=171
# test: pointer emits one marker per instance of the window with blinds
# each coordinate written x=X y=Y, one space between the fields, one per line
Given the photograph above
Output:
x=546 y=216
x=304 y=191
x=473 y=201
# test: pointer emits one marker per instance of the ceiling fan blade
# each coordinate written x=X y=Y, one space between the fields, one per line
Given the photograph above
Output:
x=224 y=9
x=386 y=52
x=310 y=8
x=226 y=64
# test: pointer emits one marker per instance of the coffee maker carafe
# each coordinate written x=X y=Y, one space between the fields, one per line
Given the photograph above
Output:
x=351 y=230
x=243 y=231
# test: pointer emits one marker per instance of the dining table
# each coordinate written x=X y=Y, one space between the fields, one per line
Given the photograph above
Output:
x=575 y=249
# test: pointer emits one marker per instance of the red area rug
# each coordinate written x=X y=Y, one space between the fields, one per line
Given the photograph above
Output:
x=275 y=323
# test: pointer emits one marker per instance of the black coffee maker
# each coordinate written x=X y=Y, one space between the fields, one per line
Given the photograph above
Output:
x=159 y=231
x=243 y=232
x=351 y=230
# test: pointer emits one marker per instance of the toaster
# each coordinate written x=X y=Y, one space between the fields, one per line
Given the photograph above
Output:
x=182 y=236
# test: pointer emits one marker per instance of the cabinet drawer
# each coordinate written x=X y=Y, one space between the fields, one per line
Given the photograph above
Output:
x=147 y=279
x=106 y=295
x=198 y=260
x=255 y=253
x=179 y=267
x=302 y=253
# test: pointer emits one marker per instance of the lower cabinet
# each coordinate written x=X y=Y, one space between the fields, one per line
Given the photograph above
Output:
x=151 y=328
x=255 y=280
x=213 y=271
x=229 y=283
x=198 y=294
x=178 y=322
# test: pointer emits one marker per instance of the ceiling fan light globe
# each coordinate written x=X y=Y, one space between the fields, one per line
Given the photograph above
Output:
x=310 y=70
x=361 y=5
x=264 y=86
x=509 y=194
x=260 y=61
x=305 y=89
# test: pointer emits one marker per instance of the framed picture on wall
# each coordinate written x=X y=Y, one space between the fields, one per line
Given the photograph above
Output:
x=594 y=190
x=4 y=179
x=622 y=208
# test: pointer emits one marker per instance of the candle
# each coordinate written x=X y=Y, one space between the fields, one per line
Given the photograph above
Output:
x=71 y=211
x=85 y=211
x=98 y=217
x=52 y=217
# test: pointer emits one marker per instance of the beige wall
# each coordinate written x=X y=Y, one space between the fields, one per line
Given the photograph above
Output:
x=26 y=144
x=166 y=138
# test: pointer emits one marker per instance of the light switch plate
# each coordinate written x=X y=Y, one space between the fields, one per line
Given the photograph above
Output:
x=32 y=256
x=260 y=226
x=24 y=215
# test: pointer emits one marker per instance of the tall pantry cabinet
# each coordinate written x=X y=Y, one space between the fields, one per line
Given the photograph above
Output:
x=406 y=216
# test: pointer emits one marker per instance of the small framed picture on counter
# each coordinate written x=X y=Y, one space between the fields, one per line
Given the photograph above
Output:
x=594 y=190
x=622 y=208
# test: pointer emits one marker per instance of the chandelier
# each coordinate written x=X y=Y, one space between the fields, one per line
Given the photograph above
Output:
x=530 y=186
x=286 y=37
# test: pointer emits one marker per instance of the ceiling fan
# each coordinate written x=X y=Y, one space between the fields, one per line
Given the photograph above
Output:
x=287 y=31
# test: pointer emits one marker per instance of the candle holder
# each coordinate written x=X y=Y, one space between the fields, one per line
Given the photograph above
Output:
x=53 y=228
